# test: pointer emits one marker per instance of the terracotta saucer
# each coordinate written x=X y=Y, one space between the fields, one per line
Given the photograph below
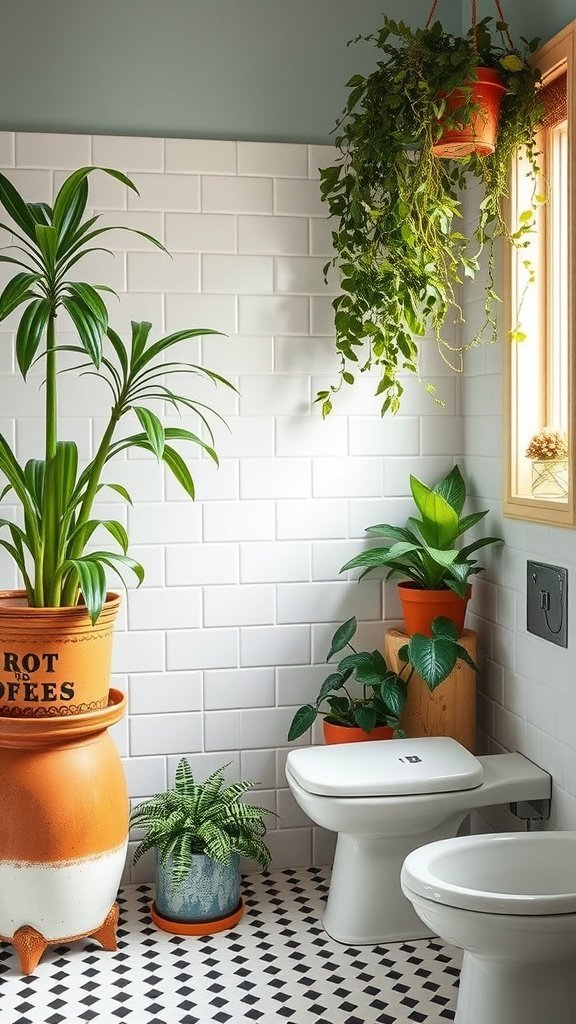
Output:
x=196 y=927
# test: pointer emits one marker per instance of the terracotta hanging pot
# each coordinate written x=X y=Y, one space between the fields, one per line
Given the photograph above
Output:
x=64 y=813
x=421 y=607
x=479 y=134
x=53 y=661
x=334 y=733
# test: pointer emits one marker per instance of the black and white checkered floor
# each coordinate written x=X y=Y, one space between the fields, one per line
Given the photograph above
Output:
x=276 y=965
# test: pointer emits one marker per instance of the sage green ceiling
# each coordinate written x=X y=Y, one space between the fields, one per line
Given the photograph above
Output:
x=529 y=18
x=246 y=69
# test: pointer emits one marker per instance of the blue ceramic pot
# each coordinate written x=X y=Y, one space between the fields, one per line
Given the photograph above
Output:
x=209 y=891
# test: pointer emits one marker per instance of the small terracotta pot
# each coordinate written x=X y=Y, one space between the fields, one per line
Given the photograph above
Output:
x=53 y=661
x=479 y=135
x=348 y=734
x=421 y=607
x=64 y=813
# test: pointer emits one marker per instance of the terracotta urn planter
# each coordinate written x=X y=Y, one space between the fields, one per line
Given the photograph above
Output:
x=334 y=733
x=420 y=607
x=64 y=813
x=53 y=661
x=479 y=135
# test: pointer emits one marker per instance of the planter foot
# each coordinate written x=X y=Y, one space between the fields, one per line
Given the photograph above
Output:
x=106 y=933
x=29 y=945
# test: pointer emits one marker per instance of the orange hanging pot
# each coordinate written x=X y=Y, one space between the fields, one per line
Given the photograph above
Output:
x=479 y=134
x=421 y=607
x=53 y=661
x=64 y=812
x=334 y=733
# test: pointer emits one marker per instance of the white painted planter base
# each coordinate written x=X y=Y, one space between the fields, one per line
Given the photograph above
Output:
x=59 y=900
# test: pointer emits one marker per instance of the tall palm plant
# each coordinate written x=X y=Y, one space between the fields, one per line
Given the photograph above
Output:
x=56 y=498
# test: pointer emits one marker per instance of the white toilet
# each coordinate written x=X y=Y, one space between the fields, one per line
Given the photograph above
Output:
x=509 y=901
x=385 y=799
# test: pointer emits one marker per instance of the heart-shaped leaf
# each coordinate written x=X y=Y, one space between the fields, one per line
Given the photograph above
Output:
x=443 y=627
x=394 y=692
x=342 y=637
x=303 y=720
x=332 y=682
x=432 y=657
x=365 y=717
x=464 y=656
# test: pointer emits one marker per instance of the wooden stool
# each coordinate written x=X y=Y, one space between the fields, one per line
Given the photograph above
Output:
x=450 y=709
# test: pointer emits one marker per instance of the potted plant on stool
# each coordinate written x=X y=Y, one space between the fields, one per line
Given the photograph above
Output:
x=199 y=831
x=374 y=708
x=437 y=571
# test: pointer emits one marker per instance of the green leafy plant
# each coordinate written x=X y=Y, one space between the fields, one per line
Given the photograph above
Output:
x=201 y=818
x=401 y=247
x=425 y=551
x=57 y=496
x=434 y=657
x=379 y=693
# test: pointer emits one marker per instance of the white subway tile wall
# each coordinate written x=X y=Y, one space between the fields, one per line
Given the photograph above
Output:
x=528 y=698
x=229 y=633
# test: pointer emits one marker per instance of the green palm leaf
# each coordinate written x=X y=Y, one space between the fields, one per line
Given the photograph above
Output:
x=16 y=207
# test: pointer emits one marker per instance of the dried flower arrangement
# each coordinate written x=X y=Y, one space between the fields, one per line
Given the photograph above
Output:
x=547 y=445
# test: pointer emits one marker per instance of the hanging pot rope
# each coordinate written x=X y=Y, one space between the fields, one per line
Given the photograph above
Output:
x=431 y=15
x=499 y=10
x=474 y=27
x=503 y=20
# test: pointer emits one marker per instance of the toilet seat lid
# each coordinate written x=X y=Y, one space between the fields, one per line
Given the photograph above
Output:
x=434 y=764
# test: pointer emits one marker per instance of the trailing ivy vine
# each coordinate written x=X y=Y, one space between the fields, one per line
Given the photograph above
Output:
x=401 y=248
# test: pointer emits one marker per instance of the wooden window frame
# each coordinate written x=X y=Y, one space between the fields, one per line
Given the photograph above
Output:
x=555 y=55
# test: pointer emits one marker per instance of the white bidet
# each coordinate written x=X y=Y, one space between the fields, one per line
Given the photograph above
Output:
x=509 y=901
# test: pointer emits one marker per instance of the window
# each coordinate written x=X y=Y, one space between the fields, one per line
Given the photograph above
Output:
x=540 y=372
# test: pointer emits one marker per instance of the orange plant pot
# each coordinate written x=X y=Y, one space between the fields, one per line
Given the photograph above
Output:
x=348 y=734
x=421 y=607
x=64 y=813
x=53 y=661
x=479 y=135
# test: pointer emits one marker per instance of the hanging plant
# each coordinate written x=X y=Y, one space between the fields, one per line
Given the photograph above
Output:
x=401 y=247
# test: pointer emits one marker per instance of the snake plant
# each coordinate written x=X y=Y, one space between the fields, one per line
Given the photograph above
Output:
x=201 y=818
x=56 y=495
